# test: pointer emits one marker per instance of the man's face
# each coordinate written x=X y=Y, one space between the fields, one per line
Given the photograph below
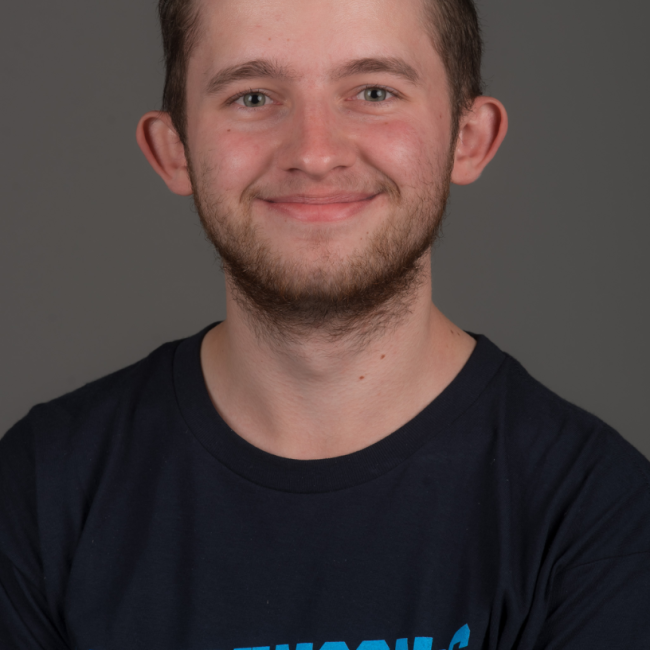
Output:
x=318 y=134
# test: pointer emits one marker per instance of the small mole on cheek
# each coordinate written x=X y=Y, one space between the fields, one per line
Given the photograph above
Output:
x=360 y=378
x=383 y=356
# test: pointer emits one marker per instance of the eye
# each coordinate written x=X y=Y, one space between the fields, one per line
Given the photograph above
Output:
x=375 y=94
x=252 y=100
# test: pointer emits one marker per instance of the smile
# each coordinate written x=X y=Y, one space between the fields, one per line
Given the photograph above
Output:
x=327 y=208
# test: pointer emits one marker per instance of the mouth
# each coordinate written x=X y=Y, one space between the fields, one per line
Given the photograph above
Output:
x=320 y=208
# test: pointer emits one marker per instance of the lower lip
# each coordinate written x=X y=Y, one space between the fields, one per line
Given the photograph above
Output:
x=320 y=212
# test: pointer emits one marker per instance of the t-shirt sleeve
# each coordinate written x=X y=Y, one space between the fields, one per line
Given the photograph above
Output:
x=26 y=621
x=603 y=604
x=601 y=598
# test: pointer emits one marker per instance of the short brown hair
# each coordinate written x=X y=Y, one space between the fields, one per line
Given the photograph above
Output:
x=454 y=25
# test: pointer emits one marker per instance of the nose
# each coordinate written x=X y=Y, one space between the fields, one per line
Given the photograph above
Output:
x=317 y=141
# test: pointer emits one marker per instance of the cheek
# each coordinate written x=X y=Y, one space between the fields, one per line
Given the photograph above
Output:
x=232 y=160
x=404 y=151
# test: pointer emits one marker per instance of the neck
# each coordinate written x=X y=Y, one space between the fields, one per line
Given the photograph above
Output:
x=315 y=395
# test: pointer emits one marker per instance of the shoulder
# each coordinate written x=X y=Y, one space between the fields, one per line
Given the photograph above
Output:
x=571 y=470
x=541 y=422
x=69 y=432
x=53 y=461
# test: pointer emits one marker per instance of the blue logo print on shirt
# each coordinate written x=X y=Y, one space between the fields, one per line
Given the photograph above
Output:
x=458 y=641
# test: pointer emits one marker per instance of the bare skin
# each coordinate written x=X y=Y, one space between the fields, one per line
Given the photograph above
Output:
x=320 y=401
x=315 y=130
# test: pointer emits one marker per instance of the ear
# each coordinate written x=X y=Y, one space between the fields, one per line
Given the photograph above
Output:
x=164 y=150
x=480 y=135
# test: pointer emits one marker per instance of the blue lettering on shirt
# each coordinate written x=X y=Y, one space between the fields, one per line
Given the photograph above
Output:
x=458 y=641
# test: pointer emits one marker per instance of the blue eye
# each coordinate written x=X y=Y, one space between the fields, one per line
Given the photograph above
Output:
x=254 y=100
x=375 y=94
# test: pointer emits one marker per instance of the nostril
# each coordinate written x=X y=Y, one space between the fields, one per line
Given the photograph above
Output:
x=317 y=151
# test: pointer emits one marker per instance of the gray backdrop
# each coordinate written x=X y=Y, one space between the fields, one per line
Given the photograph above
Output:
x=546 y=254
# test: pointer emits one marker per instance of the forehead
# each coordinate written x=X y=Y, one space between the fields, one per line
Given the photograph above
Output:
x=310 y=33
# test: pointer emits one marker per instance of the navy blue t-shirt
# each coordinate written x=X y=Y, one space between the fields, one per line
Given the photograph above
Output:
x=501 y=516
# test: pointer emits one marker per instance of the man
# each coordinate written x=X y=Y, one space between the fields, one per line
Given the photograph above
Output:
x=336 y=465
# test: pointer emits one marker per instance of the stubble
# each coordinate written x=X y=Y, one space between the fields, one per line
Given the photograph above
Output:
x=354 y=297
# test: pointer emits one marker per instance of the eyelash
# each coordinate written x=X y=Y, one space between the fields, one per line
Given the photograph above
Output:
x=390 y=91
x=253 y=91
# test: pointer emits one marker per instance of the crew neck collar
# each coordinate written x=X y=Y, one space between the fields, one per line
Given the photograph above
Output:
x=329 y=474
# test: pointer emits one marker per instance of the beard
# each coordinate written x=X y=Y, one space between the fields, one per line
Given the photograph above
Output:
x=334 y=297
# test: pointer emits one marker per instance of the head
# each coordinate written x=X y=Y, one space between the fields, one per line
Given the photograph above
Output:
x=452 y=25
x=319 y=139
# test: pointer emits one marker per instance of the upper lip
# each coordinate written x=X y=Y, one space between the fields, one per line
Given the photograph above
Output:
x=322 y=199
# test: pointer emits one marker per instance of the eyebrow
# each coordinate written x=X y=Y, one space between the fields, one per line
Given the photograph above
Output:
x=394 y=66
x=263 y=68
x=249 y=70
